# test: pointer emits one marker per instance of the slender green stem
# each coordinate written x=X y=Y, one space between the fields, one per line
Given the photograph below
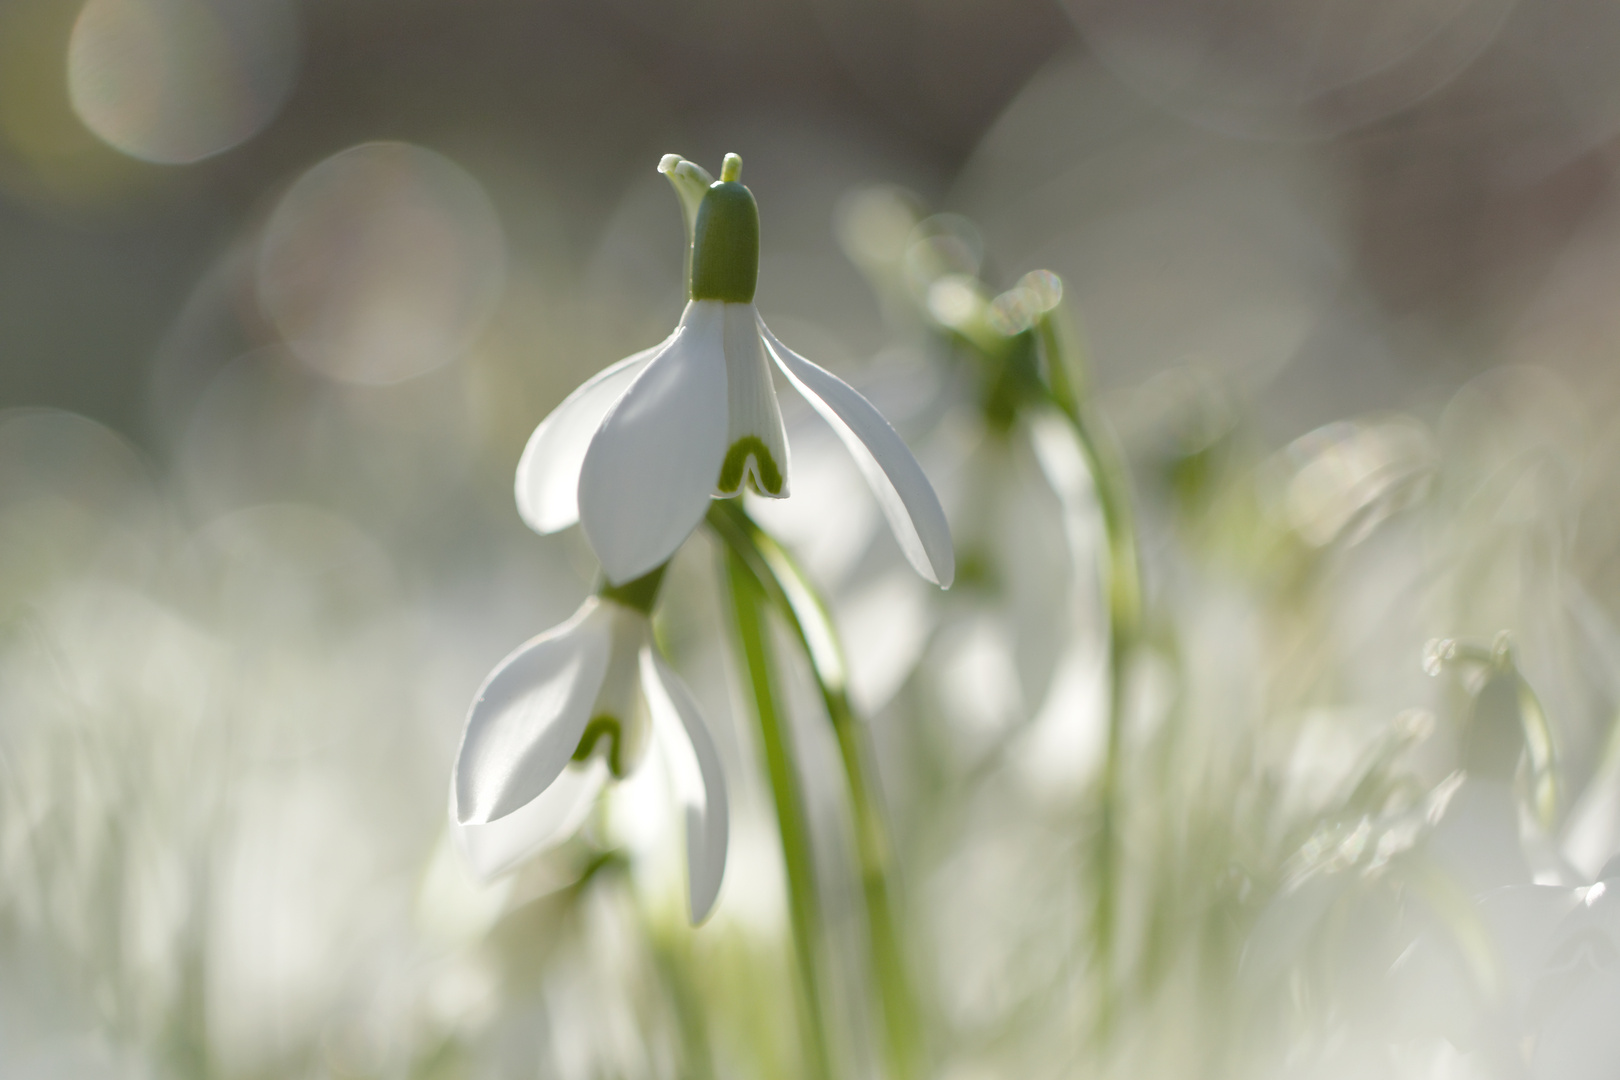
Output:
x=874 y=852
x=804 y=905
x=796 y=600
x=1124 y=589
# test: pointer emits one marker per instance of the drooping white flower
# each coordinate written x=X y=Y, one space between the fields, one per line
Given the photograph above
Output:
x=561 y=715
x=636 y=453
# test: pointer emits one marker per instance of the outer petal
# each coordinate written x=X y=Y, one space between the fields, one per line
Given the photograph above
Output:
x=548 y=472
x=700 y=783
x=528 y=718
x=651 y=468
x=493 y=847
x=902 y=489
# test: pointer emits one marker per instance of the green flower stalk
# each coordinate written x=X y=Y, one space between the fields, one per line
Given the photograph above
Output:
x=762 y=572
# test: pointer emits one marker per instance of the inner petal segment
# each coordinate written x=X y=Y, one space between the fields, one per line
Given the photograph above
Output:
x=755 y=439
x=609 y=728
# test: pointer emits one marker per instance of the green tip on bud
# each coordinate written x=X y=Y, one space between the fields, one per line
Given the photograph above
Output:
x=725 y=244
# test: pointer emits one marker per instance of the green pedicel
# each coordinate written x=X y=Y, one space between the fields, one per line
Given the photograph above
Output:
x=638 y=595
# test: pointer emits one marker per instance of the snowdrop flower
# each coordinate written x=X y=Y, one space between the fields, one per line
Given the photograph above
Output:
x=562 y=714
x=636 y=453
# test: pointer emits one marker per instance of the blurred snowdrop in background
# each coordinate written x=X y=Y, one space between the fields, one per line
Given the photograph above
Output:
x=381 y=263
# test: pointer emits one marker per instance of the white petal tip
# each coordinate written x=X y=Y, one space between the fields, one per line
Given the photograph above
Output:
x=527 y=719
x=902 y=488
x=705 y=860
x=700 y=781
x=493 y=848
x=625 y=573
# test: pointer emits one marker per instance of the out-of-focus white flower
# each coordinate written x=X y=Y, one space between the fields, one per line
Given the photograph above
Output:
x=560 y=715
x=1525 y=979
x=636 y=453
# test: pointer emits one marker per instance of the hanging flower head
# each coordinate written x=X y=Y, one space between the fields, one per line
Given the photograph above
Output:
x=636 y=453
x=564 y=713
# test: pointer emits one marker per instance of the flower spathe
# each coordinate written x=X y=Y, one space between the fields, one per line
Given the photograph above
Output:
x=636 y=453
x=560 y=716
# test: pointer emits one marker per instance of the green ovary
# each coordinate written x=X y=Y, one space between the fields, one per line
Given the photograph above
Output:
x=765 y=469
x=599 y=727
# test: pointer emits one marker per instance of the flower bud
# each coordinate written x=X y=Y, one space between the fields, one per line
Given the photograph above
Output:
x=725 y=247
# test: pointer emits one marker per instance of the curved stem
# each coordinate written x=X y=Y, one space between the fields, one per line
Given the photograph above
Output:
x=796 y=600
x=1124 y=589
x=804 y=905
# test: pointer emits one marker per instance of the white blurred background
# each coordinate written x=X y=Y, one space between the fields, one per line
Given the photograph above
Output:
x=284 y=287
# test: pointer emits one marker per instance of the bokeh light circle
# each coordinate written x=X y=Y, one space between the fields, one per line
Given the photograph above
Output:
x=381 y=263
x=174 y=81
x=1301 y=69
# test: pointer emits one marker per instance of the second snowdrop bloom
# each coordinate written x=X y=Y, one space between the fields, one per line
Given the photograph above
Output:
x=636 y=453
x=566 y=712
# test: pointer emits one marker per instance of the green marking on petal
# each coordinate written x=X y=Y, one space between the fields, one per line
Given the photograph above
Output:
x=600 y=726
x=766 y=472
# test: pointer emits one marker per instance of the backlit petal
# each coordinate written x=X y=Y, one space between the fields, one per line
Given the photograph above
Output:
x=528 y=717
x=650 y=470
x=901 y=487
x=699 y=782
x=493 y=847
x=548 y=472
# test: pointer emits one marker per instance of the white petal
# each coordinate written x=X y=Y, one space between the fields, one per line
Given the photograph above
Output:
x=621 y=696
x=901 y=487
x=528 y=717
x=493 y=847
x=700 y=783
x=755 y=427
x=651 y=468
x=548 y=472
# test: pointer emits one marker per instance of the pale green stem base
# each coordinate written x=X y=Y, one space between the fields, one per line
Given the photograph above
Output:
x=804 y=906
x=795 y=599
x=1124 y=591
